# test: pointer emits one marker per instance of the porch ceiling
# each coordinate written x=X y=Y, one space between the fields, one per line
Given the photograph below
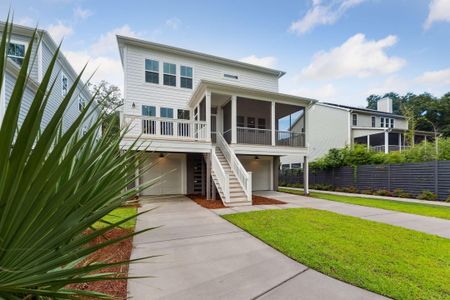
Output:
x=240 y=91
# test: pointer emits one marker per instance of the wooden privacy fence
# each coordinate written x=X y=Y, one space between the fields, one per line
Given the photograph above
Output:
x=413 y=178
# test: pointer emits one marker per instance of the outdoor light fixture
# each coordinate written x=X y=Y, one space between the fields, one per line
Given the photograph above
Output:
x=161 y=155
x=133 y=105
x=256 y=157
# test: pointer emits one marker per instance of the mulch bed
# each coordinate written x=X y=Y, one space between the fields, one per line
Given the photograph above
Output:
x=258 y=200
x=215 y=204
x=113 y=253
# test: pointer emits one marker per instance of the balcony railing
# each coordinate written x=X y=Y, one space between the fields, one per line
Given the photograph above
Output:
x=391 y=148
x=254 y=136
x=289 y=138
x=165 y=127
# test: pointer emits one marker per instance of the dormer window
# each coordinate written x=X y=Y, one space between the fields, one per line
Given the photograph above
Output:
x=16 y=52
x=355 y=119
x=186 y=77
x=170 y=74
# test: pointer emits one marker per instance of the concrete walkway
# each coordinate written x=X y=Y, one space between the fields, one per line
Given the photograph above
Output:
x=440 y=203
x=430 y=225
x=205 y=257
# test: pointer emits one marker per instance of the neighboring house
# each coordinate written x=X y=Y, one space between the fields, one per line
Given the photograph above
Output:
x=207 y=121
x=336 y=126
x=40 y=59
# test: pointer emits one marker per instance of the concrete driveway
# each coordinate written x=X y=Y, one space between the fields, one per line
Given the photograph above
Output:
x=205 y=257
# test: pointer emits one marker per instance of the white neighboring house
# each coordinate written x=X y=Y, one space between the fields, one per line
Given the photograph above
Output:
x=210 y=124
x=40 y=59
x=332 y=125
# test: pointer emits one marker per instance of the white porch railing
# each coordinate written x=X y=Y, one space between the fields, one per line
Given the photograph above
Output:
x=391 y=148
x=222 y=176
x=165 y=127
x=244 y=177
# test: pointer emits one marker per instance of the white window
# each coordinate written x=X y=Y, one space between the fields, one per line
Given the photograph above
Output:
x=186 y=77
x=355 y=119
x=152 y=71
x=16 y=52
x=81 y=103
x=170 y=74
x=64 y=84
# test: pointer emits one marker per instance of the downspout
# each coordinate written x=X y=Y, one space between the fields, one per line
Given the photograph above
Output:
x=349 y=133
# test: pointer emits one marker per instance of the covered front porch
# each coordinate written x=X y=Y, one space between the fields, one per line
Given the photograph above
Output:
x=251 y=118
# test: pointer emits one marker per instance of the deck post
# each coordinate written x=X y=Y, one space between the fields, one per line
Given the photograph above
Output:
x=272 y=118
x=233 y=119
x=386 y=142
x=305 y=175
x=208 y=176
x=368 y=142
x=208 y=115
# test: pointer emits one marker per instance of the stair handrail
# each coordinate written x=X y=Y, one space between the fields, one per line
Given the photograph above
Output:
x=244 y=177
x=221 y=175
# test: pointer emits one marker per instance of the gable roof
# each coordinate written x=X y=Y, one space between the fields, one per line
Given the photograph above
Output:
x=122 y=40
x=363 y=110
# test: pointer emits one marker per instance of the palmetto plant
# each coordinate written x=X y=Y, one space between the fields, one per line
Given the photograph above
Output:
x=53 y=186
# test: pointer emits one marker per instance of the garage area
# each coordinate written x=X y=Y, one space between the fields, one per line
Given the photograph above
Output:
x=172 y=168
x=262 y=170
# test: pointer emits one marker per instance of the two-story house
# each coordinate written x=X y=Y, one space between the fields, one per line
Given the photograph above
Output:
x=333 y=125
x=63 y=75
x=209 y=124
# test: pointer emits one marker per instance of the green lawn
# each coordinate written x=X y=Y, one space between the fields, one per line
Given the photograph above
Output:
x=389 y=260
x=117 y=215
x=429 y=210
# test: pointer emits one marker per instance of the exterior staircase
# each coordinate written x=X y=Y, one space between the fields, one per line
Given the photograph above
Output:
x=232 y=181
x=237 y=193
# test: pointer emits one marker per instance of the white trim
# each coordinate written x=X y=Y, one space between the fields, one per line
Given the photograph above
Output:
x=40 y=63
x=25 y=44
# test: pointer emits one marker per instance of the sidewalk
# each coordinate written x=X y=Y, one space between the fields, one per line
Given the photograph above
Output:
x=441 y=203
x=206 y=257
x=430 y=225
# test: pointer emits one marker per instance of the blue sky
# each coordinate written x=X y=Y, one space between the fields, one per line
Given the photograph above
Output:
x=339 y=50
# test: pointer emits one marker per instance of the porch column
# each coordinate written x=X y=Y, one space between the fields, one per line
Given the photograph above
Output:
x=400 y=142
x=386 y=142
x=208 y=115
x=305 y=175
x=272 y=119
x=208 y=176
x=233 y=119
x=368 y=142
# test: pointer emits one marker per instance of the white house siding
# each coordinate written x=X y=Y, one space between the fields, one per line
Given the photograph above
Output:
x=365 y=120
x=27 y=98
x=140 y=92
x=261 y=168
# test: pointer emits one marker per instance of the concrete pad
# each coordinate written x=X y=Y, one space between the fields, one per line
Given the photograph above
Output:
x=223 y=211
x=205 y=257
x=314 y=285
x=247 y=208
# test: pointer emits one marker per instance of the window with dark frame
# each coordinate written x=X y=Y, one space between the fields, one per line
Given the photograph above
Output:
x=152 y=71
x=16 y=52
x=374 y=122
x=186 y=77
x=355 y=119
x=392 y=123
x=170 y=74
x=250 y=122
x=240 y=121
x=382 y=122
x=261 y=123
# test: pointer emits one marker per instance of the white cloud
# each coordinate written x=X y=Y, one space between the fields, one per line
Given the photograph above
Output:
x=435 y=78
x=325 y=92
x=102 y=58
x=356 y=57
x=26 y=21
x=59 y=30
x=107 y=44
x=322 y=14
x=392 y=83
x=80 y=13
x=266 y=61
x=173 y=23
x=439 y=10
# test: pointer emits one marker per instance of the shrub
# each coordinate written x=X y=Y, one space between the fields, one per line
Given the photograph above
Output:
x=367 y=192
x=382 y=192
x=427 y=195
